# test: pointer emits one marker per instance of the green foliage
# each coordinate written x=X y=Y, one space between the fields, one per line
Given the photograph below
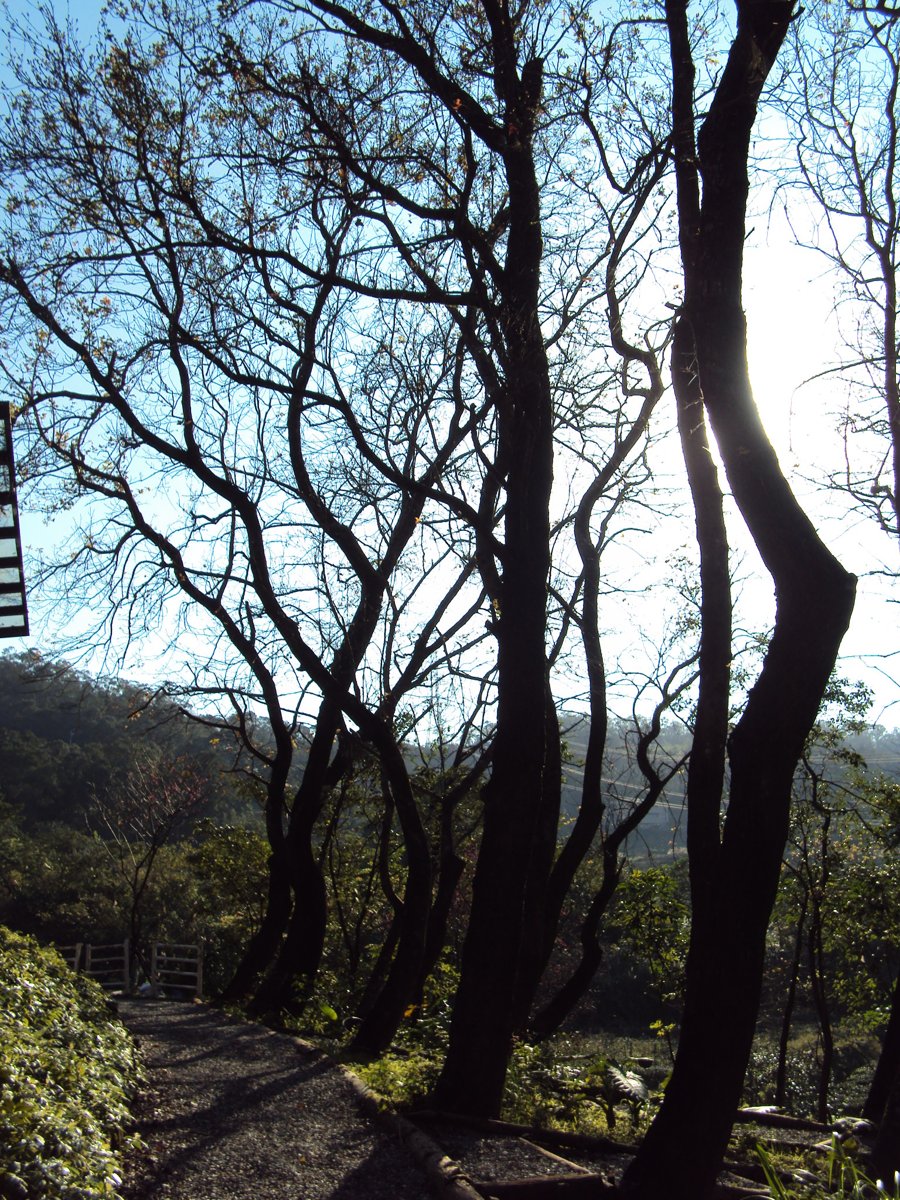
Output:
x=551 y=1086
x=834 y=941
x=854 y=1061
x=404 y=1079
x=66 y=1075
x=845 y=1180
x=408 y=1072
x=63 y=886
x=228 y=871
x=65 y=737
x=543 y=1087
x=58 y=884
x=557 y=1084
x=625 y=1087
x=652 y=922
x=427 y=1024
x=863 y=932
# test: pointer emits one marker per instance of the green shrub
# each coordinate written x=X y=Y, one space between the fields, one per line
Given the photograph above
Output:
x=67 y=1071
x=405 y=1081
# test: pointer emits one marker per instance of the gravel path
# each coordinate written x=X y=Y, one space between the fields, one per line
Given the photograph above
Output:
x=233 y=1111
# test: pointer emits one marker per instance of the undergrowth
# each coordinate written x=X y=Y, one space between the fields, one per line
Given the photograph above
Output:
x=67 y=1071
x=550 y=1085
x=845 y=1180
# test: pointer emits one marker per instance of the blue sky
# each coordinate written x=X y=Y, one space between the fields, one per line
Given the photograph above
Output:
x=792 y=334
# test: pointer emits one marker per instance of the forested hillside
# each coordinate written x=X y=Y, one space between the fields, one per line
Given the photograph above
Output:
x=93 y=774
x=65 y=737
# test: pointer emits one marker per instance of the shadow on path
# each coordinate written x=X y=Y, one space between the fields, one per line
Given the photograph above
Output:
x=234 y=1111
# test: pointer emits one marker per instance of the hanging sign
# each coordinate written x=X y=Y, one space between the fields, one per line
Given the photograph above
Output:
x=13 y=610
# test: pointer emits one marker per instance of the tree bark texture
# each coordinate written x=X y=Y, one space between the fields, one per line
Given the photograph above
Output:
x=886 y=1151
x=301 y=950
x=264 y=945
x=381 y=1022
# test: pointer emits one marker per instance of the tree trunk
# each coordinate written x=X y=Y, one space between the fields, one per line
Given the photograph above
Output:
x=789 y=1004
x=543 y=903
x=591 y=807
x=522 y=796
x=380 y=1023
x=581 y=838
x=888 y=1066
x=886 y=1152
x=548 y=1019
x=450 y=872
x=734 y=880
x=263 y=946
x=301 y=951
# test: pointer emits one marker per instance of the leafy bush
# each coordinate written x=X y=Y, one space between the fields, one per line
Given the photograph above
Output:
x=404 y=1080
x=544 y=1087
x=408 y=1072
x=66 y=1072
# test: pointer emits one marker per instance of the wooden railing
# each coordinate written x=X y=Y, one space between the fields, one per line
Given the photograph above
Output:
x=109 y=965
x=176 y=968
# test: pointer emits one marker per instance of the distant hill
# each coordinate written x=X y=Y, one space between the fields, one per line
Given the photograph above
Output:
x=662 y=831
x=64 y=735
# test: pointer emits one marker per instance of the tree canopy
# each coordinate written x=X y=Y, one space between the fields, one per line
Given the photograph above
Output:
x=343 y=336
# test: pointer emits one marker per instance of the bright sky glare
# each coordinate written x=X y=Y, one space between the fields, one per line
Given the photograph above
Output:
x=792 y=335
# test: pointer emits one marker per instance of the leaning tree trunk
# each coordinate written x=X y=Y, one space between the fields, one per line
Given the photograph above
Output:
x=548 y=1019
x=381 y=1022
x=591 y=807
x=886 y=1151
x=734 y=876
x=263 y=946
x=301 y=951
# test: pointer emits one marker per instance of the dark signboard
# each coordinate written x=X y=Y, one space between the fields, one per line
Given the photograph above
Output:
x=13 y=610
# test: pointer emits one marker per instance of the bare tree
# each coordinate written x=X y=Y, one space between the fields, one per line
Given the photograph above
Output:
x=462 y=211
x=137 y=817
x=845 y=114
x=187 y=374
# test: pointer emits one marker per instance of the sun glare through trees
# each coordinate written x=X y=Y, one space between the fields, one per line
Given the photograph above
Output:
x=386 y=368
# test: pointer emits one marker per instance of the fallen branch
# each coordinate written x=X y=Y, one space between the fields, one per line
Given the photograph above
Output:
x=550 y=1137
x=557 y=1158
x=754 y=1116
x=548 y=1187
